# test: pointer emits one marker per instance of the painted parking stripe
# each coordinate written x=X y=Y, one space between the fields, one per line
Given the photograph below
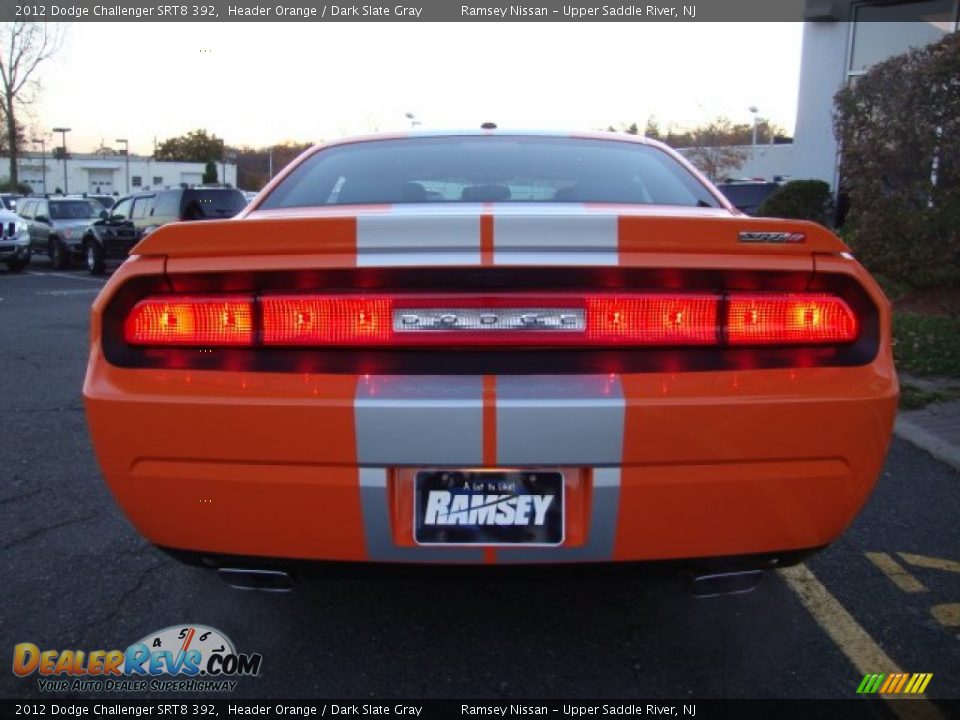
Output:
x=895 y=572
x=850 y=637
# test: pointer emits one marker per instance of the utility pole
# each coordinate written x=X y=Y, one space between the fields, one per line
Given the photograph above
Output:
x=126 y=153
x=63 y=133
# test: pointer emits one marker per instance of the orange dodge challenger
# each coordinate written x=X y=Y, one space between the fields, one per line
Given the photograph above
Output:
x=491 y=347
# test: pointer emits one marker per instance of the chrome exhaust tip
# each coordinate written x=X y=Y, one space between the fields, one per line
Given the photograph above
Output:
x=256 y=579
x=725 y=583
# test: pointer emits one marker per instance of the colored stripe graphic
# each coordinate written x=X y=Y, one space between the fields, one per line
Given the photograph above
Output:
x=894 y=683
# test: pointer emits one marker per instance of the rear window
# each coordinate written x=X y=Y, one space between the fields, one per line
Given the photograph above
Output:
x=74 y=209
x=489 y=169
x=211 y=204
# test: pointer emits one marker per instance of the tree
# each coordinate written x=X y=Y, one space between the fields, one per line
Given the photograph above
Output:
x=23 y=47
x=800 y=200
x=195 y=146
x=899 y=132
x=210 y=173
x=712 y=151
x=253 y=164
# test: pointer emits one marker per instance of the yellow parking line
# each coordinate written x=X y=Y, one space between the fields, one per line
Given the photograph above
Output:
x=896 y=573
x=947 y=614
x=931 y=562
x=852 y=640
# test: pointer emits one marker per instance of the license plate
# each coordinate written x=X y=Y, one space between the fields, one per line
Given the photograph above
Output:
x=488 y=507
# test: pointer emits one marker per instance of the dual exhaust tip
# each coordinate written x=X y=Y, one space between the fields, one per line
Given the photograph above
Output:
x=700 y=585
x=277 y=581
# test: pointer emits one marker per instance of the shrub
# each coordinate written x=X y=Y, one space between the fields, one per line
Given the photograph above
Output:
x=800 y=200
x=899 y=133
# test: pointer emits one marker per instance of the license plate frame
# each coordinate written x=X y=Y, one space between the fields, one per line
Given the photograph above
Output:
x=501 y=492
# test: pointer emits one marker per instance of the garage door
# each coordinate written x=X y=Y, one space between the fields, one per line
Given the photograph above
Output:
x=100 y=181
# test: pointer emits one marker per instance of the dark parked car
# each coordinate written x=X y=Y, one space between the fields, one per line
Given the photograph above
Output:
x=57 y=226
x=138 y=215
x=111 y=237
x=748 y=196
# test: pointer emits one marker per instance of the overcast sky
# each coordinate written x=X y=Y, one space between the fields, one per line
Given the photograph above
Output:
x=263 y=83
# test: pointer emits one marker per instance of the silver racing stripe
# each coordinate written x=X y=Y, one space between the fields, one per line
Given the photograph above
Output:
x=559 y=420
x=558 y=239
x=604 y=508
x=398 y=238
x=418 y=420
x=379 y=534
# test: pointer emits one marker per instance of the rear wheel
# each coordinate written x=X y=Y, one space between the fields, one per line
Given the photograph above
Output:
x=93 y=254
x=17 y=264
x=59 y=257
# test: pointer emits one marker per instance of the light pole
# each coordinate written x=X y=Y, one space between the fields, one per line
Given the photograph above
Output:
x=63 y=133
x=126 y=154
x=43 y=160
x=413 y=120
x=753 y=141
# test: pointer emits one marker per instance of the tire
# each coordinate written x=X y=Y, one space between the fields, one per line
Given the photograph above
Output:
x=93 y=256
x=59 y=257
x=17 y=264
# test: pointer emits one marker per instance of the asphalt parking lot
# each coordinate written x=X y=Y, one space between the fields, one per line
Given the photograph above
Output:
x=76 y=575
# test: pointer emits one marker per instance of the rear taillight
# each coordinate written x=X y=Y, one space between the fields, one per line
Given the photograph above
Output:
x=191 y=320
x=653 y=319
x=762 y=319
x=557 y=320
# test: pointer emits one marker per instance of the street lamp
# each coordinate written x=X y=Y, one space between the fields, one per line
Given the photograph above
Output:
x=126 y=153
x=753 y=142
x=63 y=133
x=43 y=160
x=413 y=120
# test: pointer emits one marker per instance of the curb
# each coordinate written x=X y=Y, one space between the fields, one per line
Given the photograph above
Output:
x=925 y=440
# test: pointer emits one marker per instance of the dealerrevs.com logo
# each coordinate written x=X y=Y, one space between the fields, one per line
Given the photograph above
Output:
x=180 y=658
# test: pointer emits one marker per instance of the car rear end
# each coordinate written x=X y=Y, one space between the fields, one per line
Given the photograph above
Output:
x=490 y=381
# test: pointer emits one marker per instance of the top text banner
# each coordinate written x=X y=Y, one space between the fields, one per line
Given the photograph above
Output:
x=429 y=11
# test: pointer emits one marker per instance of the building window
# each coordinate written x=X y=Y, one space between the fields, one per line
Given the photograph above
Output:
x=882 y=31
x=136 y=181
x=157 y=180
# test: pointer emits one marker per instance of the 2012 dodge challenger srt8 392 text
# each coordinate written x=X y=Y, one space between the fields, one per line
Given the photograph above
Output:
x=491 y=347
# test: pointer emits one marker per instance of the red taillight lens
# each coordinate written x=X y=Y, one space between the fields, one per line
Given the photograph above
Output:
x=187 y=320
x=560 y=320
x=764 y=319
x=331 y=320
x=653 y=319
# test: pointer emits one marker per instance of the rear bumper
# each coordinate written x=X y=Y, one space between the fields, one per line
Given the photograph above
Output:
x=660 y=466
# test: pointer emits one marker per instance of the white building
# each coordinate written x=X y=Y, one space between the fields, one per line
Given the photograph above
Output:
x=761 y=161
x=841 y=40
x=109 y=174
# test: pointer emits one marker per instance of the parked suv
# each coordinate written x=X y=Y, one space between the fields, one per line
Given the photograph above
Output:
x=137 y=215
x=154 y=208
x=110 y=237
x=14 y=241
x=57 y=226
